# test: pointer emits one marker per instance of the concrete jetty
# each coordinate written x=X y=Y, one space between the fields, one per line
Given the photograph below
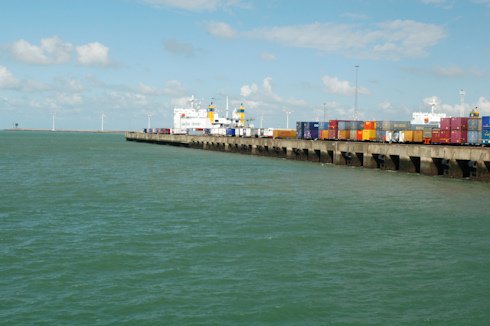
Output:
x=469 y=162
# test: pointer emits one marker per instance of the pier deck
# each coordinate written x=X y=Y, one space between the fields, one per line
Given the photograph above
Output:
x=470 y=162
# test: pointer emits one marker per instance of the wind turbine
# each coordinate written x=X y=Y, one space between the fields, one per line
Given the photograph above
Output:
x=53 y=120
x=149 y=115
x=102 y=116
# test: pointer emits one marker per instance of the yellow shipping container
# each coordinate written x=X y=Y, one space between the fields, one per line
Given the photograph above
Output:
x=417 y=136
x=408 y=136
x=284 y=133
x=344 y=134
x=368 y=134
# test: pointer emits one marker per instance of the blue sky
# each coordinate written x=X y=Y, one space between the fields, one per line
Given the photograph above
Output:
x=128 y=58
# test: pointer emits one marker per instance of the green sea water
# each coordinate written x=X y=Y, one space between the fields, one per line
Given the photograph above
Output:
x=97 y=230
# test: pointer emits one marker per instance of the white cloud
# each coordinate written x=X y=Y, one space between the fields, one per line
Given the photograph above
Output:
x=7 y=80
x=174 y=88
x=221 y=30
x=93 y=54
x=247 y=90
x=391 y=40
x=267 y=56
x=456 y=71
x=342 y=87
x=179 y=48
x=52 y=50
x=193 y=5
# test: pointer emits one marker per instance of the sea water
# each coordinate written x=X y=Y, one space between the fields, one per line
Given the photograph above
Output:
x=97 y=230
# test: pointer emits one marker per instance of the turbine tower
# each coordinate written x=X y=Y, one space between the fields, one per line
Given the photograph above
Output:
x=149 y=115
x=102 y=116
x=53 y=120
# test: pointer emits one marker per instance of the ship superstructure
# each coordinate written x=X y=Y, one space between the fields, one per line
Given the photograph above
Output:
x=194 y=117
x=428 y=118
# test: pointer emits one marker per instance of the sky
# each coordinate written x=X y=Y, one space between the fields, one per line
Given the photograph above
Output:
x=80 y=60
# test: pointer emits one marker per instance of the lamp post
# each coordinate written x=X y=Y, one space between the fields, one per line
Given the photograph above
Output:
x=461 y=96
x=102 y=121
x=355 y=100
x=52 y=122
x=287 y=118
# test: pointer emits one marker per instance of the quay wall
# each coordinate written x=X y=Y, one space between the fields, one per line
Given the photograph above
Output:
x=469 y=162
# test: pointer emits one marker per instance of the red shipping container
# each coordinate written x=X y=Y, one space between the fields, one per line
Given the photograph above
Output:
x=333 y=133
x=459 y=136
x=359 y=135
x=333 y=124
x=445 y=124
x=445 y=137
x=436 y=136
x=370 y=125
x=459 y=123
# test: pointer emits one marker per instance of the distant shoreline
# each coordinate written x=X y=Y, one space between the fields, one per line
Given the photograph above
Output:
x=69 y=130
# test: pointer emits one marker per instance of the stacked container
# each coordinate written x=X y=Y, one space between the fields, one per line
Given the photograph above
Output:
x=310 y=130
x=333 y=129
x=299 y=130
x=474 y=131
x=344 y=129
x=445 y=134
x=323 y=132
x=485 y=135
x=459 y=130
x=369 y=131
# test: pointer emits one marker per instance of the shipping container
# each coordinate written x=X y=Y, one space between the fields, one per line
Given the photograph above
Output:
x=436 y=136
x=369 y=125
x=230 y=132
x=445 y=124
x=369 y=134
x=445 y=137
x=311 y=134
x=388 y=125
x=324 y=134
x=459 y=123
x=474 y=137
x=459 y=136
x=344 y=134
x=380 y=136
x=359 y=135
x=427 y=132
x=284 y=133
x=473 y=124
x=485 y=136
x=333 y=133
x=323 y=125
x=353 y=134
x=344 y=125
x=333 y=124
x=418 y=136
x=356 y=125
x=299 y=130
x=407 y=136
x=485 y=122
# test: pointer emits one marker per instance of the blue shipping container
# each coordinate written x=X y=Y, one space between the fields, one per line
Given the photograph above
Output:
x=485 y=136
x=474 y=137
x=230 y=132
x=485 y=122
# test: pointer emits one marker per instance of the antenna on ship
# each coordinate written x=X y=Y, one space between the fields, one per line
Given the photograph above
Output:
x=433 y=105
x=462 y=93
x=52 y=121
x=149 y=115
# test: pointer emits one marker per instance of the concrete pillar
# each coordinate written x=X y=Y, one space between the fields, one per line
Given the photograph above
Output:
x=406 y=164
x=338 y=159
x=255 y=151
x=427 y=166
x=289 y=153
x=370 y=161
x=454 y=169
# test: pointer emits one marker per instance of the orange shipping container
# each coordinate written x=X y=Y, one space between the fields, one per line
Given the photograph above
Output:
x=344 y=134
x=408 y=136
x=324 y=134
x=284 y=133
x=359 y=135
